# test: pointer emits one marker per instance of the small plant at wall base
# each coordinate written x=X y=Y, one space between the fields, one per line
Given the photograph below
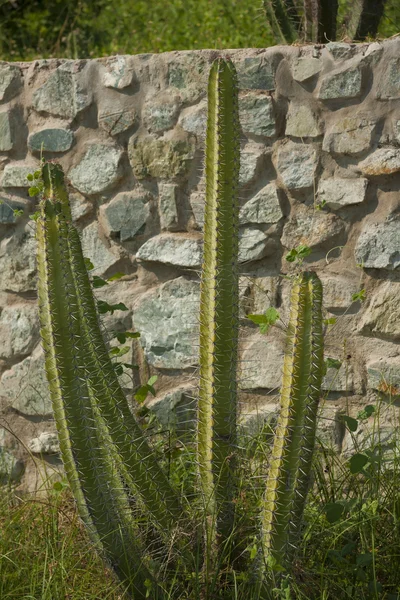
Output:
x=159 y=542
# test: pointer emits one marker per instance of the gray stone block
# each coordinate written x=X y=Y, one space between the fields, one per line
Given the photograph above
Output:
x=304 y=69
x=255 y=73
x=161 y=158
x=302 y=122
x=126 y=214
x=10 y=81
x=264 y=207
x=338 y=192
x=342 y=85
x=384 y=161
x=378 y=246
x=167 y=195
x=180 y=251
x=51 y=140
x=98 y=169
x=256 y=114
x=381 y=317
x=296 y=164
x=6 y=138
x=350 y=136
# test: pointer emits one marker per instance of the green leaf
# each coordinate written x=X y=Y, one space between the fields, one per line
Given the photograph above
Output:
x=33 y=191
x=357 y=462
x=303 y=251
x=366 y=412
x=98 y=282
x=359 y=296
x=118 y=368
x=122 y=335
x=152 y=380
x=35 y=216
x=88 y=263
x=29 y=177
x=364 y=560
x=58 y=486
x=351 y=423
x=334 y=511
x=103 y=307
x=37 y=175
x=141 y=394
x=115 y=277
x=330 y=321
x=18 y=212
x=265 y=321
x=119 y=351
x=291 y=256
x=333 y=363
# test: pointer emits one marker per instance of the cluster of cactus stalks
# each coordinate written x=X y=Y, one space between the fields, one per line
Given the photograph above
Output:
x=317 y=20
x=144 y=530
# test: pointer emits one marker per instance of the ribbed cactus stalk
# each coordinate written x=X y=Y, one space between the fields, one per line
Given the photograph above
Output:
x=291 y=458
x=284 y=20
x=217 y=403
x=106 y=456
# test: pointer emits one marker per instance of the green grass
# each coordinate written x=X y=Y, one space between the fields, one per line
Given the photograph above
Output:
x=351 y=536
x=35 y=29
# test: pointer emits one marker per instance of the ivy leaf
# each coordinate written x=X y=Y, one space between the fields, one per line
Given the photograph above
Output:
x=18 y=212
x=35 y=216
x=143 y=391
x=333 y=363
x=122 y=335
x=29 y=177
x=351 y=423
x=119 y=351
x=115 y=277
x=37 y=174
x=330 y=321
x=265 y=321
x=98 y=282
x=303 y=251
x=357 y=462
x=103 y=307
x=33 y=191
x=152 y=380
x=366 y=412
x=292 y=255
x=334 y=511
x=359 y=296
x=88 y=264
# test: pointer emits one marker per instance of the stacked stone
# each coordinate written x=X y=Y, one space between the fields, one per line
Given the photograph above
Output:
x=320 y=166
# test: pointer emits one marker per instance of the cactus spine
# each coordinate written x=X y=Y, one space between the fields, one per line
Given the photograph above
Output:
x=290 y=462
x=216 y=434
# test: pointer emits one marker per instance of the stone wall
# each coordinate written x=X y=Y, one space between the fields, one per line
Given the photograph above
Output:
x=320 y=165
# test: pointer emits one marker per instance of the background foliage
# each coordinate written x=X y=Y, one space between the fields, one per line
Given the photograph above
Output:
x=31 y=29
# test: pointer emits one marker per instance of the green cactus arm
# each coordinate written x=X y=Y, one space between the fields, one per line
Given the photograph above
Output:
x=312 y=16
x=101 y=500
x=299 y=397
x=364 y=18
x=216 y=432
x=283 y=19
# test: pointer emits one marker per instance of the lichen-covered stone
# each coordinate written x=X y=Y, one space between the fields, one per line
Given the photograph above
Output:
x=378 y=246
x=311 y=228
x=15 y=175
x=256 y=114
x=389 y=83
x=167 y=194
x=45 y=443
x=63 y=94
x=343 y=85
x=19 y=330
x=163 y=158
x=250 y=158
x=338 y=192
x=304 y=69
x=6 y=138
x=255 y=73
x=167 y=319
x=161 y=113
x=254 y=244
x=25 y=385
x=339 y=380
x=10 y=81
x=381 y=318
x=383 y=161
x=98 y=169
x=302 y=122
x=11 y=468
x=176 y=411
x=180 y=251
x=262 y=361
x=51 y=140
x=80 y=207
x=264 y=207
x=7 y=208
x=126 y=214
x=95 y=249
x=18 y=261
x=384 y=376
x=194 y=120
x=119 y=74
x=296 y=164
x=339 y=289
x=340 y=50
x=115 y=120
x=350 y=136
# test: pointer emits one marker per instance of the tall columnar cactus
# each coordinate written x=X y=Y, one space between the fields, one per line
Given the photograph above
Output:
x=316 y=20
x=216 y=434
x=290 y=461
x=112 y=470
